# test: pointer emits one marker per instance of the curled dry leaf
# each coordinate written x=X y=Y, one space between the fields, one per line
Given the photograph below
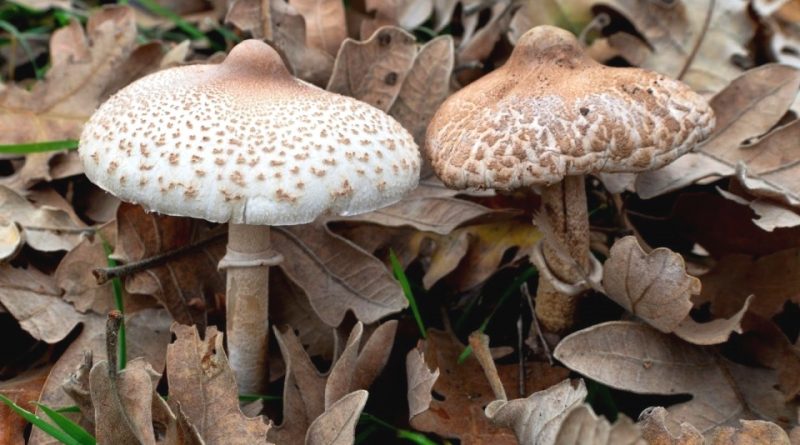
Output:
x=658 y=429
x=769 y=346
x=337 y=275
x=462 y=390
x=634 y=357
x=289 y=305
x=310 y=395
x=373 y=71
x=183 y=283
x=289 y=35
x=123 y=402
x=253 y=16
x=537 y=419
x=425 y=87
x=201 y=381
x=655 y=287
x=746 y=109
x=325 y=24
x=34 y=300
x=44 y=228
x=582 y=426
x=407 y=14
x=337 y=425
x=147 y=337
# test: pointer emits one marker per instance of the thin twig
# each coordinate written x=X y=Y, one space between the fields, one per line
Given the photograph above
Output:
x=105 y=274
x=539 y=335
x=521 y=356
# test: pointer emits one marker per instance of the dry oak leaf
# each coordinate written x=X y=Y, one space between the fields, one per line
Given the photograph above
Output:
x=701 y=42
x=44 y=228
x=373 y=71
x=407 y=14
x=22 y=390
x=462 y=390
x=34 y=300
x=659 y=429
x=768 y=345
x=537 y=419
x=635 y=357
x=337 y=275
x=772 y=279
x=203 y=384
x=310 y=395
x=655 y=287
x=147 y=336
x=582 y=426
x=746 y=109
x=326 y=27
x=123 y=402
x=289 y=35
x=289 y=305
x=255 y=17
x=750 y=432
x=337 y=425
x=182 y=284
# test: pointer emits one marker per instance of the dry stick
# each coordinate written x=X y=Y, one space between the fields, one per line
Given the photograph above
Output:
x=480 y=346
x=545 y=346
x=106 y=274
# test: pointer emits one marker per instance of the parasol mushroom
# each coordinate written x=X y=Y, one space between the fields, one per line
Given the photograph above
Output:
x=244 y=142
x=547 y=118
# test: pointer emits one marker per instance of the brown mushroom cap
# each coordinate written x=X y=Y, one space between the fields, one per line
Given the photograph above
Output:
x=245 y=142
x=551 y=111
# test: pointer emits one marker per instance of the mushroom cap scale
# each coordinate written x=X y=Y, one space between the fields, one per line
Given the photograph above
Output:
x=245 y=142
x=551 y=111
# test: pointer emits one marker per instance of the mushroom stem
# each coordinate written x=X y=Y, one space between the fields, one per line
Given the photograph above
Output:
x=247 y=303
x=564 y=205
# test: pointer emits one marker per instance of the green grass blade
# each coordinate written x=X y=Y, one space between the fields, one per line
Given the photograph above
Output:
x=23 y=42
x=39 y=147
x=69 y=427
x=400 y=274
x=523 y=277
x=68 y=409
x=116 y=286
x=409 y=435
x=40 y=423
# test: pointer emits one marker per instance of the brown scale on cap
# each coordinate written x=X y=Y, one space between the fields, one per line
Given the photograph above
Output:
x=551 y=111
x=258 y=132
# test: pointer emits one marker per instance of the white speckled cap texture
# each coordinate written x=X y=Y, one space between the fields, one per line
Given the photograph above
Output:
x=247 y=143
x=551 y=111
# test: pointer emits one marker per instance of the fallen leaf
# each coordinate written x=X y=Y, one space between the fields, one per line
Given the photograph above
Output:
x=325 y=24
x=582 y=426
x=655 y=287
x=123 y=402
x=702 y=43
x=310 y=395
x=11 y=240
x=147 y=337
x=289 y=305
x=746 y=109
x=461 y=390
x=634 y=357
x=253 y=16
x=201 y=381
x=771 y=215
x=537 y=419
x=768 y=345
x=373 y=71
x=34 y=300
x=476 y=48
x=407 y=14
x=289 y=35
x=182 y=284
x=337 y=425
x=44 y=228
x=337 y=275
x=771 y=279
x=425 y=87
x=657 y=429
x=750 y=432
x=420 y=382
x=22 y=390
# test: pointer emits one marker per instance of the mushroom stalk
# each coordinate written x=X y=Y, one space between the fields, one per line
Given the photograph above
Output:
x=247 y=304
x=565 y=207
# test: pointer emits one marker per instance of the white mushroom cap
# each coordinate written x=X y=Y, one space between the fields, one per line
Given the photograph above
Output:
x=551 y=111
x=245 y=142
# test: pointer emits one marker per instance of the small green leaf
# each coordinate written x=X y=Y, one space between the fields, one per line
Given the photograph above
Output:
x=40 y=423
x=69 y=427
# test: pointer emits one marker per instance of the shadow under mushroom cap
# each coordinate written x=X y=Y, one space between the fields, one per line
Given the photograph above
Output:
x=551 y=111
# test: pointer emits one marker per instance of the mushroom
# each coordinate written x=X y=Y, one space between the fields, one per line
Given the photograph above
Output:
x=547 y=118
x=244 y=142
